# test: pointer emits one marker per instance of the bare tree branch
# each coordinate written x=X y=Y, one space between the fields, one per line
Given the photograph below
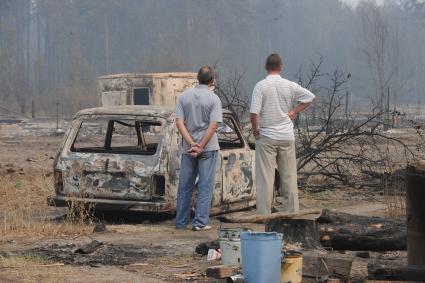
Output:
x=339 y=144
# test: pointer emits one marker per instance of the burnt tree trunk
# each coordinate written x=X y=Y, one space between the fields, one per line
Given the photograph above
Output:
x=300 y=230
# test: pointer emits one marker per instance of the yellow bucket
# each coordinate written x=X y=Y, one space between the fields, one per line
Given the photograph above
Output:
x=292 y=269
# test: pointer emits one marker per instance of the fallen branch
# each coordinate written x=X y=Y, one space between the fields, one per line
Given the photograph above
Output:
x=37 y=265
x=261 y=219
x=51 y=264
x=187 y=276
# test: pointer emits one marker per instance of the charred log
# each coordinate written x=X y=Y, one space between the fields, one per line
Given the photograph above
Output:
x=343 y=231
x=395 y=270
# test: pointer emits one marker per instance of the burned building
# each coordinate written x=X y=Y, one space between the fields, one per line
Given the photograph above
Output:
x=161 y=89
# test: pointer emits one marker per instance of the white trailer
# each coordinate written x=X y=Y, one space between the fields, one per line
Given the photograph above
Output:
x=161 y=89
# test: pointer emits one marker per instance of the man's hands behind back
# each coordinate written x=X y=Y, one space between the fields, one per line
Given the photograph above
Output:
x=195 y=150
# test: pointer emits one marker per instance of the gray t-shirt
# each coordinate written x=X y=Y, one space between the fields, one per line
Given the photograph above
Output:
x=198 y=107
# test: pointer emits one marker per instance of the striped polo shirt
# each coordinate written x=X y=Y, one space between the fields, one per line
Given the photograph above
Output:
x=272 y=99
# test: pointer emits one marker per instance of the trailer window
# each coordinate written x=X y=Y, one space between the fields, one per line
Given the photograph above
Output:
x=141 y=96
x=121 y=136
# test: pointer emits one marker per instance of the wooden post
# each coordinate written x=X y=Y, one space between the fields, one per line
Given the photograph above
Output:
x=57 y=113
x=415 y=199
x=107 y=49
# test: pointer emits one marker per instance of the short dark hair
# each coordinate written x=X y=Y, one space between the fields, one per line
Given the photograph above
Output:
x=274 y=62
x=206 y=75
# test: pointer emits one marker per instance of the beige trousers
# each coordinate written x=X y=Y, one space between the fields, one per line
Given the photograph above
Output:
x=268 y=154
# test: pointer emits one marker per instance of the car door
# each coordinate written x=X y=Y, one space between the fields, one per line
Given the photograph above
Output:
x=236 y=163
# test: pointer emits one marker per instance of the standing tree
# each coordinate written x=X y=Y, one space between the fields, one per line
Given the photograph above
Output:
x=380 y=47
x=233 y=96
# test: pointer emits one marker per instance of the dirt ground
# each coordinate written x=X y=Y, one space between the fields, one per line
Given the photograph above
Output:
x=135 y=247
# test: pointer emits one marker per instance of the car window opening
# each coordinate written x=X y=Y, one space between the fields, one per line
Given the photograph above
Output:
x=120 y=136
x=228 y=135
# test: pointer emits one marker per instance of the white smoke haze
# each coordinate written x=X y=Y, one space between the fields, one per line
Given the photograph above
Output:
x=59 y=47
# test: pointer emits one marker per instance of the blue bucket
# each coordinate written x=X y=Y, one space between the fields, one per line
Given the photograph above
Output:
x=261 y=256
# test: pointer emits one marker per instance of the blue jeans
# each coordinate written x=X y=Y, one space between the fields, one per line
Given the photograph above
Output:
x=204 y=166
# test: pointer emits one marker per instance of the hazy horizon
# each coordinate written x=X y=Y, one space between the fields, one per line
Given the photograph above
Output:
x=60 y=47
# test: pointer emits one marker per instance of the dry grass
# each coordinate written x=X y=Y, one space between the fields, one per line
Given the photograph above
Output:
x=315 y=180
x=26 y=269
x=24 y=211
x=32 y=269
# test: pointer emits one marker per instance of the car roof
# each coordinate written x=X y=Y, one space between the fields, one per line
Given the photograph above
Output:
x=162 y=111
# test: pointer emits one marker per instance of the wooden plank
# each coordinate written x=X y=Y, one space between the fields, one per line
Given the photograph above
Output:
x=330 y=265
x=261 y=219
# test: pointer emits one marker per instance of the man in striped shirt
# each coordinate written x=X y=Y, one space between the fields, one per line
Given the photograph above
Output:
x=273 y=111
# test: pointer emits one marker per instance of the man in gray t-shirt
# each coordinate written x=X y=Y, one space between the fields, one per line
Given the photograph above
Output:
x=198 y=113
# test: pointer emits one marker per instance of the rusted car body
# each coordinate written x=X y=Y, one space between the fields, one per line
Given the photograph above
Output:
x=128 y=158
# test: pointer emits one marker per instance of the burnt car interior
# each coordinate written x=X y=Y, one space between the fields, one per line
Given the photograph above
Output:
x=228 y=135
x=118 y=136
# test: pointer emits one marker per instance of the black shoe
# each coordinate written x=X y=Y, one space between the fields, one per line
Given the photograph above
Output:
x=201 y=228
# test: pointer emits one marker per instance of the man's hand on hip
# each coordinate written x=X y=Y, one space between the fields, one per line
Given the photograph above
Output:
x=292 y=115
x=297 y=109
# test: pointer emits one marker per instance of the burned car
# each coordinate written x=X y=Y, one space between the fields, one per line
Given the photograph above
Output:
x=128 y=158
